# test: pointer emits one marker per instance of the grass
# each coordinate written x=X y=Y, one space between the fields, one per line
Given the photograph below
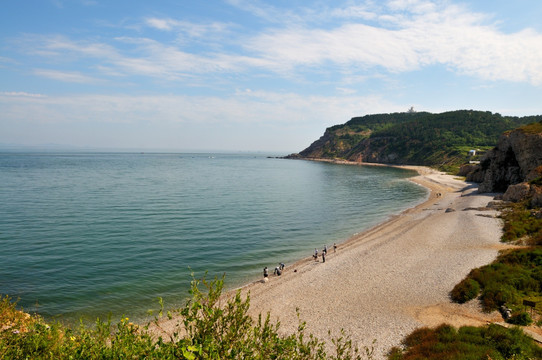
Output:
x=521 y=223
x=534 y=128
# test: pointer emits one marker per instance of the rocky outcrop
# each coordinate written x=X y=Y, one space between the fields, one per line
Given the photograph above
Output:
x=517 y=192
x=523 y=191
x=516 y=159
x=371 y=150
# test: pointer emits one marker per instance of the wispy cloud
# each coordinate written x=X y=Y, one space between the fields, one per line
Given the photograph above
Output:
x=20 y=94
x=399 y=36
x=418 y=35
x=191 y=29
x=73 y=77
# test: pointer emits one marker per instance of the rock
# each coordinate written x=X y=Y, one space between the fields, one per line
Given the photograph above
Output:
x=516 y=158
x=536 y=194
x=449 y=210
x=494 y=204
x=516 y=193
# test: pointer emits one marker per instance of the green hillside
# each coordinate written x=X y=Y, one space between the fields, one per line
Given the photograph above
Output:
x=421 y=138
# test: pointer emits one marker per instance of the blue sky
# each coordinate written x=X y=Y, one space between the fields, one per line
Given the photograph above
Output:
x=243 y=75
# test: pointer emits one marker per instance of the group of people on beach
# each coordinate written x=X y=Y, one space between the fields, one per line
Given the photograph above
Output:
x=280 y=268
x=324 y=252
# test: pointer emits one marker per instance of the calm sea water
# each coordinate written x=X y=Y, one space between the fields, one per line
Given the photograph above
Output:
x=87 y=234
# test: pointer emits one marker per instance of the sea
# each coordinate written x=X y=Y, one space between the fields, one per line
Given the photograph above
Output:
x=86 y=235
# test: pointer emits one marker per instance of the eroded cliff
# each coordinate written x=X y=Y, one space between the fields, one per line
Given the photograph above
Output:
x=517 y=158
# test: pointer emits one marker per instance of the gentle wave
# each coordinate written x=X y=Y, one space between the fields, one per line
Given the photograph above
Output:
x=85 y=234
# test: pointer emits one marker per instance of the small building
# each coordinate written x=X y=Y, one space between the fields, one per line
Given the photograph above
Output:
x=472 y=152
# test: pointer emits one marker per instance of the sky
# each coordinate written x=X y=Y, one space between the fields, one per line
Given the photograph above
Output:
x=251 y=75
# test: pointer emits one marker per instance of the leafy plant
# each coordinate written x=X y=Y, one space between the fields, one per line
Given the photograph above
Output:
x=213 y=327
x=521 y=318
x=466 y=290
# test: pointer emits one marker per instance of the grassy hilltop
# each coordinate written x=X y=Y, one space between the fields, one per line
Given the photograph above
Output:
x=416 y=138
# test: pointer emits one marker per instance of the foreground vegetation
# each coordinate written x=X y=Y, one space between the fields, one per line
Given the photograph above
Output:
x=514 y=276
x=467 y=343
x=209 y=330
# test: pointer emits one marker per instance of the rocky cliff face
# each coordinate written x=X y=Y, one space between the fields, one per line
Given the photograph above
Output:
x=516 y=159
x=371 y=150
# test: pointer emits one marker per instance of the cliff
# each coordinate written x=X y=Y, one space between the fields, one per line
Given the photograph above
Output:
x=516 y=159
x=416 y=138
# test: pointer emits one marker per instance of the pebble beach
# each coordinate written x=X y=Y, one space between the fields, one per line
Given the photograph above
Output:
x=387 y=281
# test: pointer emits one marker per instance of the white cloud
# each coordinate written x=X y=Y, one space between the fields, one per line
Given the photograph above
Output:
x=354 y=12
x=20 y=94
x=402 y=36
x=73 y=77
x=191 y=29
x=426 y=35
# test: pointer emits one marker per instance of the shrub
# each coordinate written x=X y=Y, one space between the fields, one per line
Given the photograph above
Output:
x=488 y=342
x=466 y=290
x=521 y=318
x=496 y=295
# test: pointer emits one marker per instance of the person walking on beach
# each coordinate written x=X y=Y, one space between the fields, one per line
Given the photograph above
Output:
x=334 y=247
x=281 y=266
x=265 y=272
x=277 y=271
x=323 y=256
x=315 y=256
x=325 y=249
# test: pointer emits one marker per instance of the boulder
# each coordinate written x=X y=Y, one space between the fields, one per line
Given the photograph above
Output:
x=536 y=196
x=518 y=192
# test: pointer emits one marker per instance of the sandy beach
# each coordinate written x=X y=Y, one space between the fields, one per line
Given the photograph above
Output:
x=385 y=282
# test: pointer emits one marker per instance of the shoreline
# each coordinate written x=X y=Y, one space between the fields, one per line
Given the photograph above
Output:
x=385 y=281
x=432 y=188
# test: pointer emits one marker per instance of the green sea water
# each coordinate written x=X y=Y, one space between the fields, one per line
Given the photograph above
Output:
x=92 y=234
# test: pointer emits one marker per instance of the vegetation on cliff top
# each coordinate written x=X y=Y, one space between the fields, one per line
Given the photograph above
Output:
x=417 y=138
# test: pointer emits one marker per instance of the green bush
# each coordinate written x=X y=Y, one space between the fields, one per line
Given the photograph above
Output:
x=497 y=294
x=466 y=343
x=521 y=318
x=515 y=274
x=466 y=290
x=521 y=223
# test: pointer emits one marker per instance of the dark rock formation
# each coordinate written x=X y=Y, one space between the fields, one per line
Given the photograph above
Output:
x=517 y=158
